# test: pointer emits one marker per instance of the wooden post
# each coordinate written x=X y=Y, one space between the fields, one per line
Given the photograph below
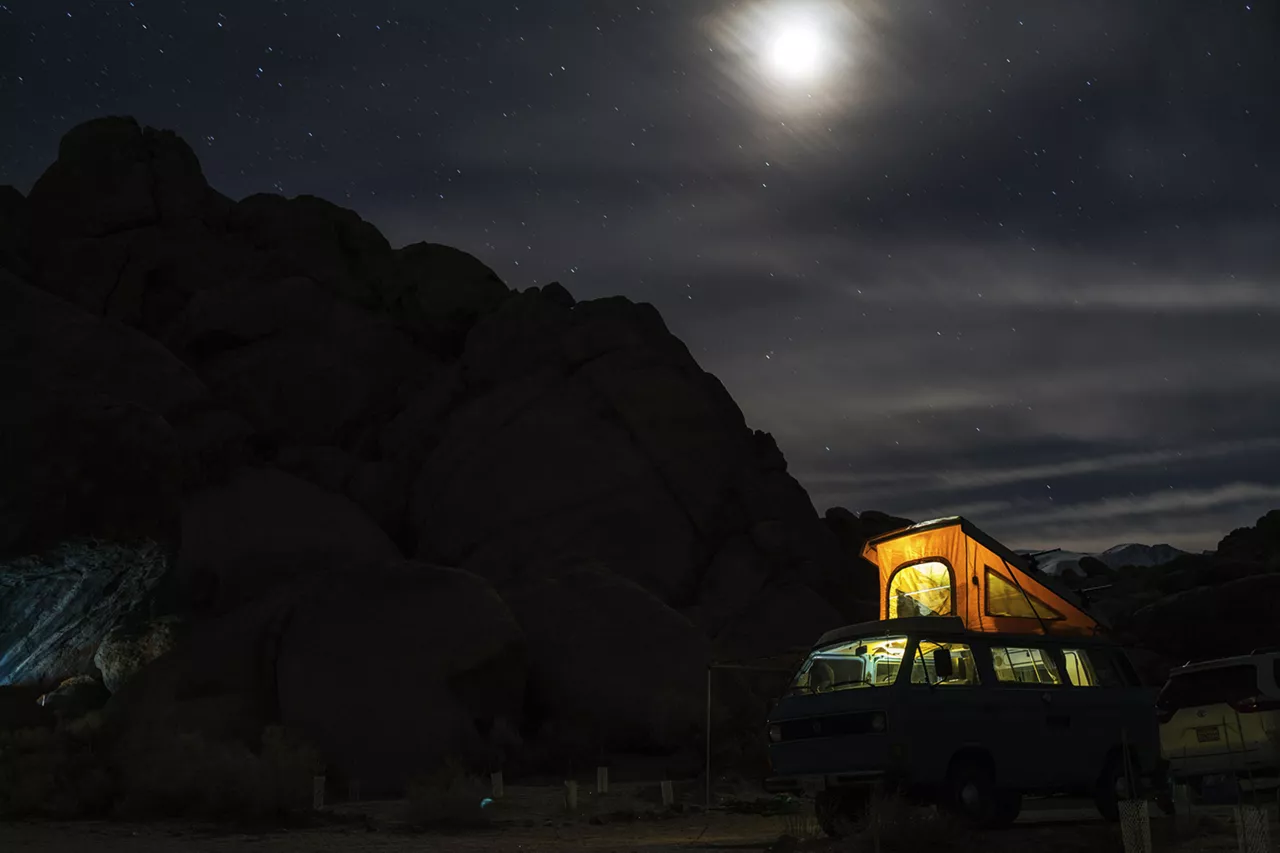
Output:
x=317 y=792
x=353 y=790
x=571 y=795
x=602 y=780
x=707 y=768
x=668 y=795
x=1182 y=808
x=496 y=787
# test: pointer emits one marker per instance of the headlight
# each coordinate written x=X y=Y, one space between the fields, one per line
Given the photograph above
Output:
x=878 y=723
x=775 y=733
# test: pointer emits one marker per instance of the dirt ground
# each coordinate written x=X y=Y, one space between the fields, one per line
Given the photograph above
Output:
x=536 y=821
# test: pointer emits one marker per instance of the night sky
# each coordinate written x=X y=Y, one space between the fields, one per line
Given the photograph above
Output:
x=1019 y=261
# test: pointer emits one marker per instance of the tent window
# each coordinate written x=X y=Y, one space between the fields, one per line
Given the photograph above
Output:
x=922 y=589
x=1004 y=598
x=1024 y=666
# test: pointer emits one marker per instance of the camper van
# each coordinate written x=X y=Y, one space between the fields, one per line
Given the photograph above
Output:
x=979 y=683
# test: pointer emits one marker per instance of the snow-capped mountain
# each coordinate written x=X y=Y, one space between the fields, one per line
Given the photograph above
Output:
x=1139 y=555
x=1130 y=554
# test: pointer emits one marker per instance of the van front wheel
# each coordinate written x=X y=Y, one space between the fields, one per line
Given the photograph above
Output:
x=972 y=794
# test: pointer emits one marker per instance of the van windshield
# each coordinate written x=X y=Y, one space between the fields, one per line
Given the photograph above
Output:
x=865 y=662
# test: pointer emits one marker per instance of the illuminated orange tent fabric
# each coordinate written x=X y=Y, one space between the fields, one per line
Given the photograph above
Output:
x=948 y=567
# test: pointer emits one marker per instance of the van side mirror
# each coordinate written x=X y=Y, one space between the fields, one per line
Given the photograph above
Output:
x=942 y=667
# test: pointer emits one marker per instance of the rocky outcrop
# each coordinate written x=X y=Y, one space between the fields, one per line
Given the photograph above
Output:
x=1258 y=545
x=15 y=233
x=130 y=647
x=267 y=389
x=101 y=427
x=56 y=608
x=1230 y=618
x=394 y=671
x=264 y=527
x=610 y=664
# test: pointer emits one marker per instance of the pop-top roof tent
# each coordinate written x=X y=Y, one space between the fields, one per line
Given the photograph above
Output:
x=948 y=567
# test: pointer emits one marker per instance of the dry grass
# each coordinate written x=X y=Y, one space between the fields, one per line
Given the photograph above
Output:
x=905 y=827
x=189 y=775
x=83 y=769
x=450 y=798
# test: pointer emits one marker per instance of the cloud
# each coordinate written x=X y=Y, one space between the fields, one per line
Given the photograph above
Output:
x=1047 y=472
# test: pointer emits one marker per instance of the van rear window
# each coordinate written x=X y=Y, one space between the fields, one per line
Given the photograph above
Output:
x=1209 y=687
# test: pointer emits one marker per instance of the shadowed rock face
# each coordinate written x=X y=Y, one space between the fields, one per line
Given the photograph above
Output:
x=56 y=608
x=273 y=394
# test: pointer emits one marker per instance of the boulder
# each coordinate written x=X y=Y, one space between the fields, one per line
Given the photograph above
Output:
x=783 y=619
x=304 y=366
x=439 y=293
x=57 y=607
x=101 y=428
x=264 y=527
x=311 y=237
x=544 y=469
x=218 y=680
x=75 y=697
x=518 y=340
x=1225 y=619
x=852 y=532
x=414 y=431
x=1259 y=544
x=123 y=223
x=736 y=574
x=129 y=648
x=610 y=661
x=393 y=673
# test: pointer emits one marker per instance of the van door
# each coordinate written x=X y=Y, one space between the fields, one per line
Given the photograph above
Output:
x=1025 y=704
x=944 y=714
x=1100 y=710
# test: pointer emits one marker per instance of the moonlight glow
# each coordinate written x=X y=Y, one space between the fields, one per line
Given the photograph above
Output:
x=795 y=52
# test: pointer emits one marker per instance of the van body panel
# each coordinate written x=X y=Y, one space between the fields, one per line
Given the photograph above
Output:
x=1044 y=723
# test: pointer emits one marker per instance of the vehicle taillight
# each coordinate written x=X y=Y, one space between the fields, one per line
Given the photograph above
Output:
x=1255 y=704
x=1164 y=715
x=775 y=733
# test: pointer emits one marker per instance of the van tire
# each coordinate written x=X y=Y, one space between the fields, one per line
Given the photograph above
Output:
x=839 y=811
x=971 y=793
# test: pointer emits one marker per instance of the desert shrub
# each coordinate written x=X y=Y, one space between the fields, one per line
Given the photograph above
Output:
x=173 y=774
x=53 y=773
x=905 y=827
x=450 y=797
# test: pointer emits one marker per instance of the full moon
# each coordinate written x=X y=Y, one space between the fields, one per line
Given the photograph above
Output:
x=795 y=51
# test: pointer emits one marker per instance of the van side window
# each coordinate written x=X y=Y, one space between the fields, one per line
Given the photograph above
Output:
x=1024 y=666
x=963 y=670
x=1091 y=668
